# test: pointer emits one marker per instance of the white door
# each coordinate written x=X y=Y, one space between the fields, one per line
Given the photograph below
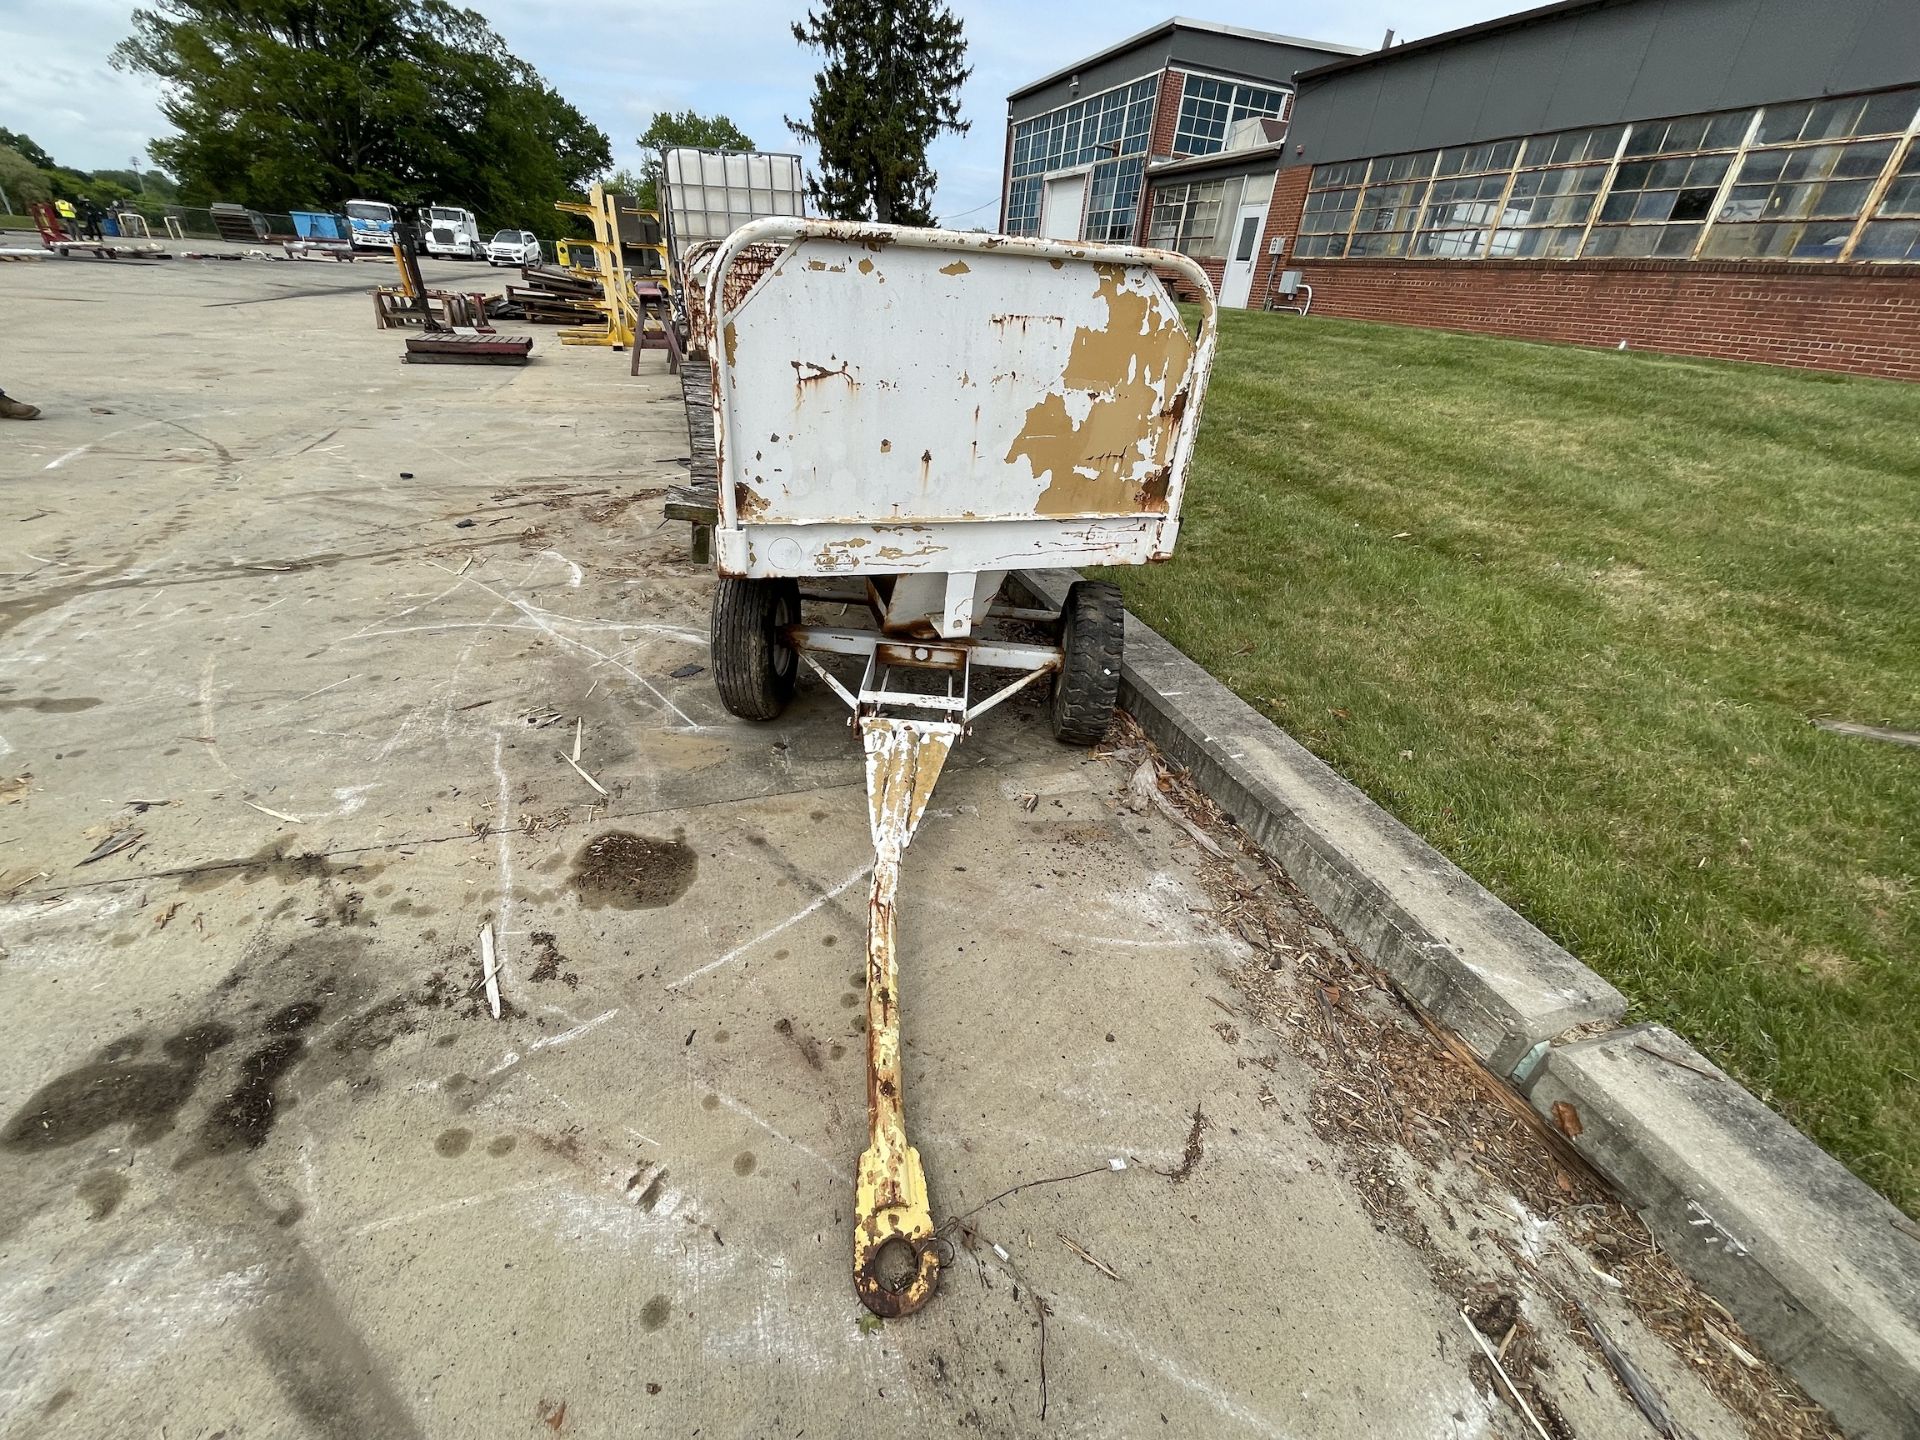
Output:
x=1237 y=286
x=1060 y=212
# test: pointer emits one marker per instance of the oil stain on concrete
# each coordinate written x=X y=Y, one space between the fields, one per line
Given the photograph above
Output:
x=147 y=1094
x=623 y=871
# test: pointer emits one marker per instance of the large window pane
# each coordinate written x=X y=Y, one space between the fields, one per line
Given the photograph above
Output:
x=1570 y=147
x=1884 y=114
x=1643 y=241
x=1547 y=242
x=1889 y=240
x=1787 y=182
x=1694 y=132
x=1320 y=247
x=1210 y=108
x=1188 y=218
x=1821 y=240
x=1903 y=194
x=1107 y=130
x=1450 y=244
x=1477 y=159
x=1821 y=183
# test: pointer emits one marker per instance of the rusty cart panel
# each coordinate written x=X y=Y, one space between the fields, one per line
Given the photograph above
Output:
x=902 y=400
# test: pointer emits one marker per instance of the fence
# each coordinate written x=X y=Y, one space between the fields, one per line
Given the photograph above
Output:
x=237 y=223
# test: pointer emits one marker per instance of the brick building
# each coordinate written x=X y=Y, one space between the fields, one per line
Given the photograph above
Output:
x=1731 y=178
x=1079 y=140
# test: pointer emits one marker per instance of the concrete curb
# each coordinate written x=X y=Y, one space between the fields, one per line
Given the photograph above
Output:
x=1496 y=981
x=1815 y=1264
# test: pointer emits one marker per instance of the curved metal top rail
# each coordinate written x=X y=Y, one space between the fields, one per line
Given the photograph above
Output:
x=776 y=229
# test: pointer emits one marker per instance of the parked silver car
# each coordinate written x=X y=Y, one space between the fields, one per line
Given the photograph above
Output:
x=514 y=247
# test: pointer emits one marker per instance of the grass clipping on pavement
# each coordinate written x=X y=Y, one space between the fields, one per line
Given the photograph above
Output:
x=1570 y=614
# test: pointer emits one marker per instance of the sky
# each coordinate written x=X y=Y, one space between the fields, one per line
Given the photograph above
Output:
x=620 y=63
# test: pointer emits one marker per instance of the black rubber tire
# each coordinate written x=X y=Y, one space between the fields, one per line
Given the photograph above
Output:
x=753 y=669
x=1087 y=687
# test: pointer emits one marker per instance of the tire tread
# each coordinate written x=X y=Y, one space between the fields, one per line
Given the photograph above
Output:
x=1092 y=634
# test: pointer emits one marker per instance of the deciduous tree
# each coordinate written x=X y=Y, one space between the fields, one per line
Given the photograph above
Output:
x=22 y=179
x=283 y=104
x=687 y=127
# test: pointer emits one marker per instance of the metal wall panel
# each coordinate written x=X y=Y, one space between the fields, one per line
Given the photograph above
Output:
x=1605 y=49
x=1794 y=50
x=1632 y=60
x=1689 y=61
x=1884 y=50
x=1148 y=59
x=1453 y=101
x=1346 y=110
x=1231 y=55
x=1525 y=80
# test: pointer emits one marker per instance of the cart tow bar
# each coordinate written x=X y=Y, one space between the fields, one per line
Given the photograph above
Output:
x=892 y=1217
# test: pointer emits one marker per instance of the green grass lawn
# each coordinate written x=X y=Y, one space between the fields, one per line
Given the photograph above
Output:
x=1568 y=613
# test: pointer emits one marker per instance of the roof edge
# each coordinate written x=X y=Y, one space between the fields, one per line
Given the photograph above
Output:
x=1274 y=148
x=1361 y=59
x=1167 y=27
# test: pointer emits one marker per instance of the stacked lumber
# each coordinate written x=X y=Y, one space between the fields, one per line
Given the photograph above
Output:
x=553 y=296
x=698 y=501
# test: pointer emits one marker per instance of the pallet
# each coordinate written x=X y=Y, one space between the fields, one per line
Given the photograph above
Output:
x=466 y=349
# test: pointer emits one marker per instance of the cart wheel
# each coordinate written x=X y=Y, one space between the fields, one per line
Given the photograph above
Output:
x=753 y=668
x=1092 y=624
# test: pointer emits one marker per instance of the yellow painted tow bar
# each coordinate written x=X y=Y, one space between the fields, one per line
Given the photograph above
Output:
x=896 y=1262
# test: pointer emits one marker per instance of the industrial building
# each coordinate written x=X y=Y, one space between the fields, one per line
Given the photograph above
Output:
x=1730 y=178
x=1080 y=139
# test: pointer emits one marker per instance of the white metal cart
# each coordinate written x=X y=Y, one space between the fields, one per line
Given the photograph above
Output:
x=916 y=413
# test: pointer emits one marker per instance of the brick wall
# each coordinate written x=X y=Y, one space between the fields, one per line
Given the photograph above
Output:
x=1166 y=119
x=1862 y=319
x=1283 y=218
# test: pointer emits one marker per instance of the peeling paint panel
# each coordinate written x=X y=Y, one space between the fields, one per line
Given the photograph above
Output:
x=941 y=402
x=858 y=357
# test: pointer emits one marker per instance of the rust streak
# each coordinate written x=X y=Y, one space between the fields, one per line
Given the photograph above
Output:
x=750 y=504
x=806 y=372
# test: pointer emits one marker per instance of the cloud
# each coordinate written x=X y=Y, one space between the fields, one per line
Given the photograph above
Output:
x=57 y=86
x=620 y=64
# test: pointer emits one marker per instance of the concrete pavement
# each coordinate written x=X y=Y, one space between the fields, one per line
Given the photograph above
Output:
x=314 y=628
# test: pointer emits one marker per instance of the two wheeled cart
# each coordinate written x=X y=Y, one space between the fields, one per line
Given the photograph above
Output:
x=913 y=414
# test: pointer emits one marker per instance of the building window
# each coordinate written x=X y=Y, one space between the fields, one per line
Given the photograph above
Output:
x=1104 y=134
x=1463 y=203
x=1389 y=212
x=1333 y=193
x=1785 y=182
x=1210 y=108
x=1894 y=231
x=1664 y=189
x=1188 y=217
x=1552 y=199
x=1799 y=196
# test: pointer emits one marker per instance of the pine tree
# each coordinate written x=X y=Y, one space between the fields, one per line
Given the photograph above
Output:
x=889 y=85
